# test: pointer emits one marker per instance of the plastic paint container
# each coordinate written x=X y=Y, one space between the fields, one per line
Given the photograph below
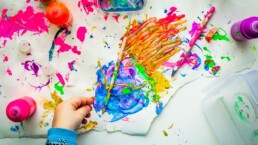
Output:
x=245 y=29
x=21 y=109
x=58 y=14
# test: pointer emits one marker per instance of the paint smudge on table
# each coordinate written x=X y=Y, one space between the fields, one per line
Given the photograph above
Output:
x=32 y=66
x=59 y=88
x=221 y=34
x=226 y=57
x=60 y=78
x=41 y=86
x=87 y=6
x=24 y=21
x=210 y=65
x=165 y=133
x=88 y=127
x=81 y=33
x=71 y=66
x=49 y=107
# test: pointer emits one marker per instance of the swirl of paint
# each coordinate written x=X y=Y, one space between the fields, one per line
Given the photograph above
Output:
x=127 y=96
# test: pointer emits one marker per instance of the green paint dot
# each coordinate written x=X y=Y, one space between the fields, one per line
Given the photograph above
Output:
x=206 y=49
x=225 y=57
x=126 y=91
x=218 y=36
x=254 y=48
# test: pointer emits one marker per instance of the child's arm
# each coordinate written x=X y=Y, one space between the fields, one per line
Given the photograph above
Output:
x=67 y=118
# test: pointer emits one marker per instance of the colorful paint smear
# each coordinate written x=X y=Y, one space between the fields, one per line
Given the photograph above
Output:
x=31 y=66
x=60 y=78
x=122 y=5
x=88 y=127
x=210 y=65
x=219 y=36
x=127 y=97
x=59 y=88
x=24 y=21
x=41 y=86
x=226 y=57
x=242 y=109
x=71 y=66
x=151 y=43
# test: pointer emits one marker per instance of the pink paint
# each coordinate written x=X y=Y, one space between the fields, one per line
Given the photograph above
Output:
x=81 y=32
x=9 y=72
x=31 y=66
x=192 y=60
x=21 y=109
x=67 y=77
x=22 y=22
x=60 y=78
x=106 y=16
x=116 y=17
x=27 y=1
x=86 y=5
x=195 y=26
x=5 y=59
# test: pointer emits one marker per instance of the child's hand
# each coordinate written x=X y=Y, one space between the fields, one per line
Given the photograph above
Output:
x=71 y=113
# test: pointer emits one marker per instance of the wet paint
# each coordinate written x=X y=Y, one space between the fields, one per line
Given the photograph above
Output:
x=221 y=34
x=9 y=72
x=254 y=48
x=165 y=133
x=206 y=49
x=194 y=28
x=86 y=5
x=60 y=78
x=81 y=33
x=88 y=127
x=51 y=51
x=120 y=6
x=71 y=66
x=226 y=57
x=241 y=109
x=210 y=65
x=152 y=46
x=159 y=108
x=32 y=66
x=41 y=86
x=24 y=21
x=59 y=88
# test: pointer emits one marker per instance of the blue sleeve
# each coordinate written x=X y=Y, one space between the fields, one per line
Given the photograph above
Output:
x=60 y=136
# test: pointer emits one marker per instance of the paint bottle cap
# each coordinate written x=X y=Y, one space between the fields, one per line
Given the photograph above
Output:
x=20 y=109
x=24 y=46
x=48 y=69
x=58 y=14
x=249 y=28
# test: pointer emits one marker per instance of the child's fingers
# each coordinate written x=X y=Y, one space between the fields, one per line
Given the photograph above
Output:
x=84 y=110
x=84 y=121
x=76 y=102
x=88 y=115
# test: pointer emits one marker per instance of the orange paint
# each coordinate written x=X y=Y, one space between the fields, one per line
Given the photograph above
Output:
x=58 y=14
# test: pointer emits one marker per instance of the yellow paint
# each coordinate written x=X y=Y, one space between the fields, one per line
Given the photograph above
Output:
x=171 y=126
x=88 y=89
x=93 y=28
x=88 y=127
x=161 y=82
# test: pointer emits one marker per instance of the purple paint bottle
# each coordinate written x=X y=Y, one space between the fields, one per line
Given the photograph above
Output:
x=245 y=29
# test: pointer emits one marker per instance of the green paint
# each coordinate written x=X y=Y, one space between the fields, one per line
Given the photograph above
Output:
x=209 y=61
x=150 y=7
x=226 y=57
x=218 y=36
x=60 y=88
x=256 y=134
x=126 y=91
x=254 y=48
x=206 y=49
x=239 y=110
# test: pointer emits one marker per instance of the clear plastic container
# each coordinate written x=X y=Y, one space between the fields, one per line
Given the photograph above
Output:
x=231 y=108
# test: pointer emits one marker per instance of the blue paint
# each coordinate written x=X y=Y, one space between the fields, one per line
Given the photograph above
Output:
x=104 y=28
x=15 y=128
x=183 y=75
x=120 y=105
x=121 y=5
x=159 y=107
x=165 y=11
x=91 y=36
x=51 y=51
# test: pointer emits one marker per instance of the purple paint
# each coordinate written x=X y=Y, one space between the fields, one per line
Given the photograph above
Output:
x=31 y=66
x=42 y=86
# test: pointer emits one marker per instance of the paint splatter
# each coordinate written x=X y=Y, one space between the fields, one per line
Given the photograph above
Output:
x=120 y=105
x=5 y=59
x=219 y=36
x=81 y=32
x=210 y=65
x=165 y=133
x=22 y=22
x=254 y=48
x=116 y=17
x=88 y=127
x=152 y=46
x=226 y=57
x=51 y=51
x=41 y=86
x=159 y=107
x=71 y=66
x=195 y=26
x=59 y=88
x=60 y=78
x=206 y=49
x=87 y=6
x=31 y=66
x=243 y=109
x=9 y=72
x=106 y=44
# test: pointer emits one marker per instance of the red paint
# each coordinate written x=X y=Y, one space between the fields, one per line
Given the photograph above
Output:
x=106 y=17
x=9 y=72
x=5 y=59
x=116 y=17
x=58 y=14
x=20 y=109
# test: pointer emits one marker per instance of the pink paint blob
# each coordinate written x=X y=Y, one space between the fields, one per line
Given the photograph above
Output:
x=81 y=32
x=106 y=16
x=195 y=26
x=9 y=72
x=60 y=78
x=86 y=5
x=5 y=59
x=22 y=22
x=116 y=17
x=21 y=109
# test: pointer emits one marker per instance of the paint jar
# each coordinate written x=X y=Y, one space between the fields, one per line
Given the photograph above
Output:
x=21 y=109
x=58 y=14
x=245 y=29
x=47 y=2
